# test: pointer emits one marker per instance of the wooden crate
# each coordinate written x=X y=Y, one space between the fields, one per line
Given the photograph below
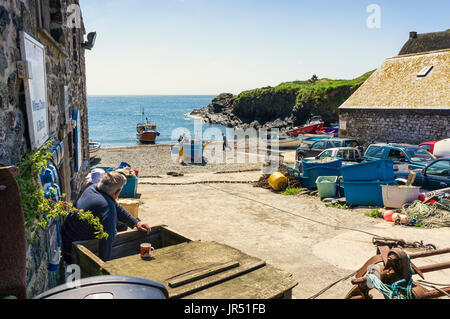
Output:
x=85 y=253
x=130 y=205
x=188 y=269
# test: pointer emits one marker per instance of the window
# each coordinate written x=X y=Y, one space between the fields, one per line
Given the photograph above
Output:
x=351 y=144
x=375 y=151
x=43 y=14
x=330 y=145
x=425 y=71
x=441 y=168
x=426 y=147
x=417 y=154
x=397 y=156
x=319 y=145
x=326 y=154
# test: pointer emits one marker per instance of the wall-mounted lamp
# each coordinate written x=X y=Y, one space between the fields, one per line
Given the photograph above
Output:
x=89 y=44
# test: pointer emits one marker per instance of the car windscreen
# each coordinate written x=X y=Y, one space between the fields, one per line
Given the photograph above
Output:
x=417 y=154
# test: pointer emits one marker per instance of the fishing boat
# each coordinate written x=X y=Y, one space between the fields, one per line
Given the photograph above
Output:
x=146 y=132
x=283 y=141
x=315 y=125
x=94 y=147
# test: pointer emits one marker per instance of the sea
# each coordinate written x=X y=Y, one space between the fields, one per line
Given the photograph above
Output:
x=113 y=119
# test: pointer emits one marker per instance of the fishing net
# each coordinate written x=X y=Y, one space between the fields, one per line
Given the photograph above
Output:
x=264 y=182
x=434 y=215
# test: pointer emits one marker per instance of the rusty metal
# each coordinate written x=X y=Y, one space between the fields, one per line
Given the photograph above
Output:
x=400 y=243
x=435 y=267
x=430 y=253
x=395 y=265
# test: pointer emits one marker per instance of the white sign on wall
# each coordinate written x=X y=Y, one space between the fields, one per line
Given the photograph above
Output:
x=33 y=52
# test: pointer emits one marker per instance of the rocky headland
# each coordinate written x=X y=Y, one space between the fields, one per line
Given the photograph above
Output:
x=287 y=105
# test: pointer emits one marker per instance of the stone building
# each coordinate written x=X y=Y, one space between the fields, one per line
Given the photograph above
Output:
x=42 y=68
x=407 y=100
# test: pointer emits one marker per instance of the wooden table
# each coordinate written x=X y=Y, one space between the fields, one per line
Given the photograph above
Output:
x=207 y=270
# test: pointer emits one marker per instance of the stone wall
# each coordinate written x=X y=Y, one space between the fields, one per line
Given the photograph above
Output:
x=395 y=126
x=49 y=22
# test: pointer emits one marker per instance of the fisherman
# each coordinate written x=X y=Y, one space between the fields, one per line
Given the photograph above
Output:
x=225 y=142
x=101 y=200
x=181 y=150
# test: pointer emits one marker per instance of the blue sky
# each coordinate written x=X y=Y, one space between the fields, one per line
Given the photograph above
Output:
x=215 y=46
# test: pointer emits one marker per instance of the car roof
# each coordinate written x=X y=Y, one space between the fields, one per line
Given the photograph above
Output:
x=394 y=145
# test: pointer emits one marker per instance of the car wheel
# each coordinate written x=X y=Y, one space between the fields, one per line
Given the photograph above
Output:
x=300 y=156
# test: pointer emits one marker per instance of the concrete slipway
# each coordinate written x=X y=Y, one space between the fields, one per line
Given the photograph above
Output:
x=305 y=239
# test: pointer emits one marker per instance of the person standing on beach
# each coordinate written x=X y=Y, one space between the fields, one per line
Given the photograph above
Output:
x=181 y=150
x=225 y=142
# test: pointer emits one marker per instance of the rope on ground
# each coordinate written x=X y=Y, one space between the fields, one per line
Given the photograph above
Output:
x=296 y=215
x=429 y=215
x=198 y=183
x=332 y=285
x=434 y=286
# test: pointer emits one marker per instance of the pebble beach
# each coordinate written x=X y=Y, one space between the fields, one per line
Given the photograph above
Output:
x=157 y=160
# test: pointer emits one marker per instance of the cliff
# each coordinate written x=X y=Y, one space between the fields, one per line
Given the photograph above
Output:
x=286 y=105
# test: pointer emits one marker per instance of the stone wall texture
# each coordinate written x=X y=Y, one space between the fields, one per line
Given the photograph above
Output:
x=65 y=67
x=413 y=126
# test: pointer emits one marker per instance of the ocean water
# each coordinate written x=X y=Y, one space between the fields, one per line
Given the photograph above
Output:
x=113 y=119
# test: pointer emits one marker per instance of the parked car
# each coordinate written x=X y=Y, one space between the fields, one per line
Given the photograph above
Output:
x=428 y=146
x=313 y=149
x=405 y=157
x=433 y=177
x=348 y=154
x=440 y=149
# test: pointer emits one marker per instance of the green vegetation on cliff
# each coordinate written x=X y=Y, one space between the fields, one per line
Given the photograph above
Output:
x=305 y=89
x=304 y=98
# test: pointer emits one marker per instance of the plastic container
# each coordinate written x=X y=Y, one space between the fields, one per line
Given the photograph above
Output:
x=48 y=175
x=306 y=164
x=130 y=188
x=327 y=186
x=309 y=177
x=278 y=181
x=106 y=169
x=108 y=287
x=364 y=193
x=398 y=196
x=382 y=170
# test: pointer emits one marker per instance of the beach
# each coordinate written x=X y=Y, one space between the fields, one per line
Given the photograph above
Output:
x=157 y=160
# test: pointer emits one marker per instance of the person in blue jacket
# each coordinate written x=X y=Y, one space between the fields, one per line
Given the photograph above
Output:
x=101 y=200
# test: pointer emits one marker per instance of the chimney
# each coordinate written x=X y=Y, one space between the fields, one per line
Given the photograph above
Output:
x=413 y=35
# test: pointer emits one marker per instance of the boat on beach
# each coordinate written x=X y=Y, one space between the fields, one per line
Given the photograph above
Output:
x=315 y=125
x=94 y=147
x=283 y=141
x=146 y=132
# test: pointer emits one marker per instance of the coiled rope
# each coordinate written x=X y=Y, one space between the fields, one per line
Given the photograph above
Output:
x=394 y=291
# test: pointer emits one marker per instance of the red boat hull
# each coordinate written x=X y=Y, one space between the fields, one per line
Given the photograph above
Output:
x=312 y=129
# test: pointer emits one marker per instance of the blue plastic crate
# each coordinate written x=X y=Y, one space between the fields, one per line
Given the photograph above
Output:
x=306 y=164
x=364 y=193
x=130 y=188
x=378 y=170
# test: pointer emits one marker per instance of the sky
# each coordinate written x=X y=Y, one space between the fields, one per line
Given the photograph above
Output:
x=207 y=47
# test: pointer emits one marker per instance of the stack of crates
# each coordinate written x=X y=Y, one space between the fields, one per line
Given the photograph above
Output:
x=363 y=182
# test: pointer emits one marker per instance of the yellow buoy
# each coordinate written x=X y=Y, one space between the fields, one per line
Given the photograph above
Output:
x=278 y=182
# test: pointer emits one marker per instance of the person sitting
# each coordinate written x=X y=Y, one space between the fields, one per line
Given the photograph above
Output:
x=101 y=200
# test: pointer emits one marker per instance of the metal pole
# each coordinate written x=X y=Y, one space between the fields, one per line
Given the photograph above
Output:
x=430 y=253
